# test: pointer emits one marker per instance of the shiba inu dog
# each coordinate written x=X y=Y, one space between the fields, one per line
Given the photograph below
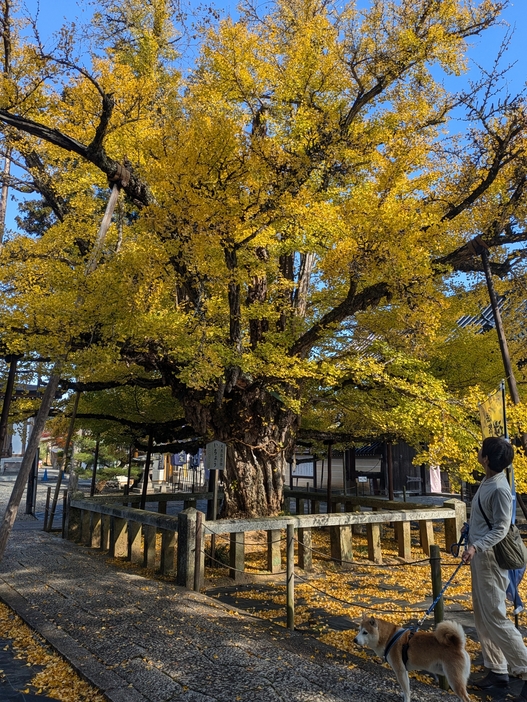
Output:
x=441 y=652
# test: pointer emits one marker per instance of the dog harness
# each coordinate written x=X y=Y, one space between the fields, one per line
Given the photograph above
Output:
x=392 y=641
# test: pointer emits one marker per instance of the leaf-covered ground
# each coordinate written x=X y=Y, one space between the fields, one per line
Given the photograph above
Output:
x=56 y=679
x=331 y=599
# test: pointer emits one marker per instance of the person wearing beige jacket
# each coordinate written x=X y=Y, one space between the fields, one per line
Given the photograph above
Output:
x=501 y=643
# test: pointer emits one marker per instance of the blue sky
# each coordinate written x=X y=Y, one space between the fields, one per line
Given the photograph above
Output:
x=51 y=16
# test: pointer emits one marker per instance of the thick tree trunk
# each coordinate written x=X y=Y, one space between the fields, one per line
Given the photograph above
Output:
x=259 y=431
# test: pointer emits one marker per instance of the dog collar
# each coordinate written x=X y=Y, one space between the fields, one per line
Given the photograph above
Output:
x=392 y=641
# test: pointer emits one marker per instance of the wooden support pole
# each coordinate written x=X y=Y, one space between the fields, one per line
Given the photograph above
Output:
x=46 y=508
x=389 y=457
x=330 y=445
x=8 y=396
x=94 y=472
x=63 y=464
x=146 y=472
x=199 y=553
x=290 y=577
x=129 y=474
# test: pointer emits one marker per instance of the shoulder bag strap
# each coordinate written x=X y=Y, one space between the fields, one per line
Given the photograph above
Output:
x=484 y=515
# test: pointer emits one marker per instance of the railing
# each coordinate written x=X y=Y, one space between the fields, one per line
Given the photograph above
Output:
x=131 y=533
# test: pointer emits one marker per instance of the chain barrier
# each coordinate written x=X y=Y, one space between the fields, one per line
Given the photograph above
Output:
x=238 y=570
x=362 y=565
x=246 y=543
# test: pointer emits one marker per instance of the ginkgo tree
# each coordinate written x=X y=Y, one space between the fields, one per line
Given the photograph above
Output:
x=295 y=194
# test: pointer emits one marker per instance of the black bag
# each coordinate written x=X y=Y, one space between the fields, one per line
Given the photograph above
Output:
x=510 y=552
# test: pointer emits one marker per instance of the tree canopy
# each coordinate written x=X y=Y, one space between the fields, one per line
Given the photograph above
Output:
x=293 y=211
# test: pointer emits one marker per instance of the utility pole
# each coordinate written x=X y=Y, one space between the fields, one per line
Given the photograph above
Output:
x=479 y=247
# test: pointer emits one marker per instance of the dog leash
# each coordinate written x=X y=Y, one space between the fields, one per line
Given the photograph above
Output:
x=454 y=550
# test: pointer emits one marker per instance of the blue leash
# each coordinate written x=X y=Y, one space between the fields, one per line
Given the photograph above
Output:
x=454 y=550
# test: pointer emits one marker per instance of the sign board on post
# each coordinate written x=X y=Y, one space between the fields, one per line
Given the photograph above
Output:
x=215 y=455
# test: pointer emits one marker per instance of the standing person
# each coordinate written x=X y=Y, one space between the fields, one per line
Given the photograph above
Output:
x=501 y=643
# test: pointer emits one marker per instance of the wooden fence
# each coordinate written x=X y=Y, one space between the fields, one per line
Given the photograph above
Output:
x=131 y=533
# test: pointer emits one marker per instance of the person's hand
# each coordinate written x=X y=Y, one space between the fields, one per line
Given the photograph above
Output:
x=468 y=554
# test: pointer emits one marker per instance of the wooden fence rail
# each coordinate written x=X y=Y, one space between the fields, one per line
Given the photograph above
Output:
x=131 y=533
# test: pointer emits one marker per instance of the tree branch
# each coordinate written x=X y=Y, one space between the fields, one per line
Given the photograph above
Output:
x=136 y=188
x=354 y=302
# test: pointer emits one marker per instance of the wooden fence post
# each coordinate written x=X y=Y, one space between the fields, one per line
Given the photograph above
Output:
x=305 y=553
x=341 y=544
x=426 y=534
x=95 y=530
x=149 y=546
x=237 y=556
x=85 y=528
x=453 y=526
x=118 y=538
x=274 y=556
x=105 y=533
x=373 y=533
x=168 y=544
x=74 y=524
x=186 y=557
x=404 y=540
x=134 y=542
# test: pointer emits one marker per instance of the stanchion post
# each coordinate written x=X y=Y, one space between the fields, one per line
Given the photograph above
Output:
x=437 y=585
x=290 y=575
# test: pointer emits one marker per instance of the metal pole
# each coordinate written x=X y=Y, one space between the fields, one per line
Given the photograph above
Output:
x=147 y=470
x=290 y=576
x=94 y=472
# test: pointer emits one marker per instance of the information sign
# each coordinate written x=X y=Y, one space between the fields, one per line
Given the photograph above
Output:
x=215 y=455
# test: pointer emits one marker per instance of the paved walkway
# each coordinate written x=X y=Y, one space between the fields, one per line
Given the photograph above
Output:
x=138 y=639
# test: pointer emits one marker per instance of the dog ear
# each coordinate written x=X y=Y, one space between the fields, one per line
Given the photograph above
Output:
x=372 y=621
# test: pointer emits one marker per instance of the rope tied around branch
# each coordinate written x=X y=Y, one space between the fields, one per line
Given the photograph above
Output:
x=121 y=177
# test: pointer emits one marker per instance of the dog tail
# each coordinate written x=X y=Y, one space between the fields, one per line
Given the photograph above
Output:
x=450 y=634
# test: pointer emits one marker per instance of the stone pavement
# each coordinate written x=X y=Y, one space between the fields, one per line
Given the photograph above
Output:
x=140 y=640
